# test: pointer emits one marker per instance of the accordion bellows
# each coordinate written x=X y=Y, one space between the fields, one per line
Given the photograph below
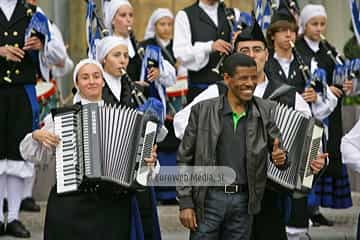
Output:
x=102 y=142
x=301 y=138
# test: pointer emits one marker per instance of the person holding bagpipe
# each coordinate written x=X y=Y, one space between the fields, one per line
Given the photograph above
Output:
x=158 y=35
x=53 y=63
x=150 y=78
x=25 y=37
x=100 y=205
x=119 y=20
x=286 y=66
x=202 y=37
x=333 y=189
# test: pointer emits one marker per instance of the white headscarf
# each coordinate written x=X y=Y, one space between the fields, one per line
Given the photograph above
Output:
x=105 y=45
x=82 y=63
x=157 y=14
x=110 y=11
x=308 y=12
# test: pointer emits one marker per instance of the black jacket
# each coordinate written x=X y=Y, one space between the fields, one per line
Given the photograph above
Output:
x=198 y=148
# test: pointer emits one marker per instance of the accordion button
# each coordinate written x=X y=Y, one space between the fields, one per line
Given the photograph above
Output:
x=15 y=34
x=6 y=34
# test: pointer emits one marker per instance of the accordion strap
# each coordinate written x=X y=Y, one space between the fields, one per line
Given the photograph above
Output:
x=280 y=91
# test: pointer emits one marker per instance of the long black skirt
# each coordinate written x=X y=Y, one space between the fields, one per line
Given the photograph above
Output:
x=88 y=215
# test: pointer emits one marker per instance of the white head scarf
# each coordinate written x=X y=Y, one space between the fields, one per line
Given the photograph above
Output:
x=308 y=12
x=157 y=14
x=110 y=11
x=105 y=45
x=82 y=63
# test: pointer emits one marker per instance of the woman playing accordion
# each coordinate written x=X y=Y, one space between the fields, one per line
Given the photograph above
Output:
x=99 y=205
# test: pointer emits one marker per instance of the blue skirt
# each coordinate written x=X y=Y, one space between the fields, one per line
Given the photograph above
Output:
x=166 y=193
x=331 y=192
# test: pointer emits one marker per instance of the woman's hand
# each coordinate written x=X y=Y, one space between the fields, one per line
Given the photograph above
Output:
x=317 y=164
x=348 y=86
x=336 y=91
x=153 y=74
x=46 y=138
x=309 y=95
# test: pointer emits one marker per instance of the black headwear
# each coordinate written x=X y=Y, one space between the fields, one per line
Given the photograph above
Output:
x=283 y=13
x=251 y=33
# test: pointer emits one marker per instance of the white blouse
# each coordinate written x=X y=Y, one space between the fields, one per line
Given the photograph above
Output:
x=350 y=148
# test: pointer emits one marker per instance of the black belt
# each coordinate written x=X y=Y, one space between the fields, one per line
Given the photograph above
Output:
x=233 y=188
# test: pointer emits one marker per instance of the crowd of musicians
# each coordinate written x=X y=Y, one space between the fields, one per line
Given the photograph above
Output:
x=218 y=76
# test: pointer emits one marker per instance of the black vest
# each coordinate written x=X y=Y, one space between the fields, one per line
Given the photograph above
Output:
x=125 y=97
x=203 y=29
x=134 y=67
x=13 y=33
x=274 y=70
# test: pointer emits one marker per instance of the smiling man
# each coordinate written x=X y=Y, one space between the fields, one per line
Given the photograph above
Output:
x=233 y=130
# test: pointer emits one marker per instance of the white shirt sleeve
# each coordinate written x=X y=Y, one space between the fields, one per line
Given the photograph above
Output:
x=181 y=118
x=302 y=106
x=167 y=76
x=32 y=150
x=193 y=57
x=322 y=108
x=350 y=148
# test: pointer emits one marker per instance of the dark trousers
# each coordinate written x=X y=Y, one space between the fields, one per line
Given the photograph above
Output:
x=225 y=217
x=15 y=120
x=270 y=221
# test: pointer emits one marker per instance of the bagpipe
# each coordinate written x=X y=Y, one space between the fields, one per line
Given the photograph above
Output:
x=234 y=27
x=316 y=80
x=345 y=69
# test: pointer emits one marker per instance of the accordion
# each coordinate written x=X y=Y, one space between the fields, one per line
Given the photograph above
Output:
x=102 y=142
x=301 y=138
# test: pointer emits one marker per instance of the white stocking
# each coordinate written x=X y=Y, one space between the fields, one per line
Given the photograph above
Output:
x=15 y=191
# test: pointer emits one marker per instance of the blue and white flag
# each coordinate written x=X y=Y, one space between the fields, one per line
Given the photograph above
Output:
x=153 y=55
x=39 y=23
x=245 y=19
x=92 y=29
x=355 y=16
x=258 y=11
x=266 y=17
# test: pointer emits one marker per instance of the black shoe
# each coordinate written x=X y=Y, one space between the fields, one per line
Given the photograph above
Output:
x=320 y=219
x=5 y=206
x=29 y=205
x=17 y=229
x=2 y=229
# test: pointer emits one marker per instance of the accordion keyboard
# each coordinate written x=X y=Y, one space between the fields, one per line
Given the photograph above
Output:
x=66 y=153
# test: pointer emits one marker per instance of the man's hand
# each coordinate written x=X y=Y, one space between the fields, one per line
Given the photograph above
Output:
x=12 y=53
x=46 y=138
x=188 y=218
x=317 y=164
x=221 y=46
x=309 y=95
x=278 y=155
x=33 y=43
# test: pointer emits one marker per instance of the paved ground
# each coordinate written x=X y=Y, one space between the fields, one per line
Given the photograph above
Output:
x=344 y=229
